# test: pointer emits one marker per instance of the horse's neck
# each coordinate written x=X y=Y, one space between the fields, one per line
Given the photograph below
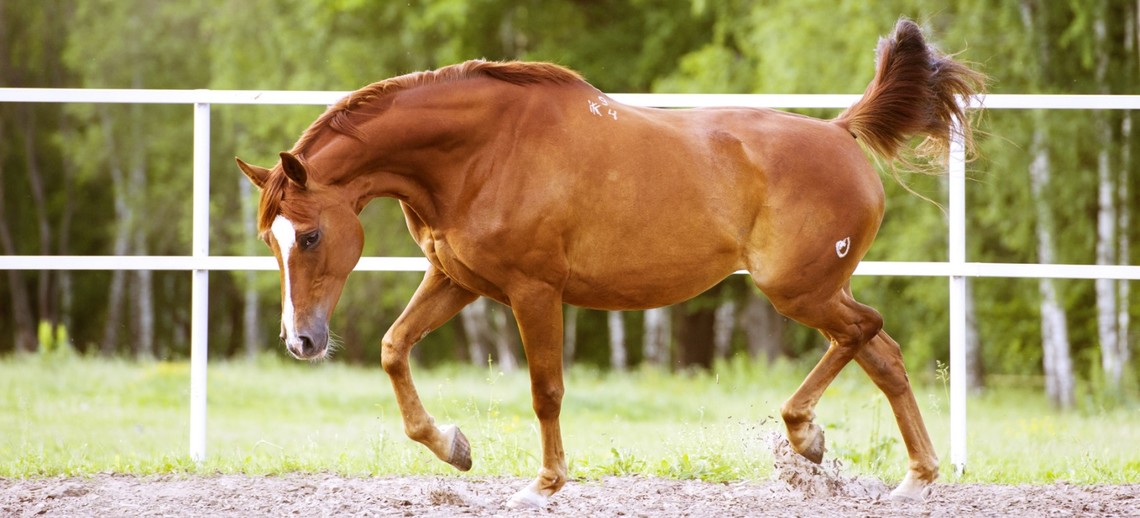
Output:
x=415 y=150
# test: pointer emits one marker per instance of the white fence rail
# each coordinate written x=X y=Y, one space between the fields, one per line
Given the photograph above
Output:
x=200 y=262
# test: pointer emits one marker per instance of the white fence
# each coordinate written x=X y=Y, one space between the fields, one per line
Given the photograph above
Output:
x=200 y=262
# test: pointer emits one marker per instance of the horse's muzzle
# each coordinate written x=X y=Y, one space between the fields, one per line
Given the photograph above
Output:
x=307 y=346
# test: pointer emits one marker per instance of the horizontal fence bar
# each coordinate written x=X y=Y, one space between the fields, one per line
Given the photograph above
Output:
x=419 y=264
x=277 y=97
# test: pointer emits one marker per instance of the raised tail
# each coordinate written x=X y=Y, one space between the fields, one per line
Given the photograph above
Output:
x=916 y=91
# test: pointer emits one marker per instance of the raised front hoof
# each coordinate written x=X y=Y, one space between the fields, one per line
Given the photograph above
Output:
x=810 y=444
x=460 y=455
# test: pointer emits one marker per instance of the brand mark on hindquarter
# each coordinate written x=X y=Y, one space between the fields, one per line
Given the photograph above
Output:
x=842 y=247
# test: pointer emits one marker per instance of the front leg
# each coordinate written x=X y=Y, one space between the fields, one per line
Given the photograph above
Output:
x=436 y=300
x=538 y=311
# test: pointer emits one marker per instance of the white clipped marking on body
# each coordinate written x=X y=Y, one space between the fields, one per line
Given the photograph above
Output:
x=286 y=235
x=842 y=247
x=596 y=107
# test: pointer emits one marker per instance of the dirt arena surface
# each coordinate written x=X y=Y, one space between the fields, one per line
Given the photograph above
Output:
x=798 y=488
x=331 y=495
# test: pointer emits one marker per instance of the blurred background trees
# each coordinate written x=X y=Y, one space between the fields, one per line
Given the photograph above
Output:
x=1050 y=186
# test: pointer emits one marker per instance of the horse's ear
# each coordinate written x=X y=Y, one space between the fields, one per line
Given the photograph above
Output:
x=294 y=169
x=257 y=175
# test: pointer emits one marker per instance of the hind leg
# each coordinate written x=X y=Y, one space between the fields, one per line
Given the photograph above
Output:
x=882 y=359
x=848 y=326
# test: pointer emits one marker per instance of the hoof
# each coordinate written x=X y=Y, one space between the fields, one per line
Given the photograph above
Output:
x=460 y=456
x=815 y=445
x=912 y=489
x=527 y=499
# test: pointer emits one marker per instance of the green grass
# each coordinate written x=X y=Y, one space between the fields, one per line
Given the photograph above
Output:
x=77 y=416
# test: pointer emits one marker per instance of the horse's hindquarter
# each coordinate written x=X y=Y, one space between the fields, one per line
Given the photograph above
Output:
x=685 y=197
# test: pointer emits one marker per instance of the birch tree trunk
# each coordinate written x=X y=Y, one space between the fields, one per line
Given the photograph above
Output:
x=657 y=337
x=975 y=367
x=24 y=332
x=619 y=358
x=504 y=338
x=143 y=280
x=475 y=326
x=1058 y=364
x=39 y=201
x=724 y=324
x=251 y=310
x=121 y=242
x=488 y=329
x=763 y=327
x=569 y=334
x=1112 y=179
x=1123 y=318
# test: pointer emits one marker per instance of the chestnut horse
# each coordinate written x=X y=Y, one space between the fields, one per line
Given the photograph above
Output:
x=524 y=184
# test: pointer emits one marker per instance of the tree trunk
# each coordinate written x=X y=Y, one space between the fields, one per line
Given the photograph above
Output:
x=619 y=359
x=121 y=243
x=39 y=201
x=475 y=326
x=143 y=288
x=975 y=367
x=24 y=324
x=1111 y=180
x=1058 y=364
x=696 y=333
x=569 y=334
x=488 y=329
x=724 y=324
x=764 y=328
x=251 y=313
x=658 y=334
x=143 y=280
x=64 y=292
x=1123 y=317
x=505 y=337
x=1057 y=361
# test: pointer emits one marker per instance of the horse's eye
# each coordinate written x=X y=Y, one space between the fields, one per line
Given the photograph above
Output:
x=310 y=240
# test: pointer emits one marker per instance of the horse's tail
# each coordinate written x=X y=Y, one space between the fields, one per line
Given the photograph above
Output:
x=916 y=91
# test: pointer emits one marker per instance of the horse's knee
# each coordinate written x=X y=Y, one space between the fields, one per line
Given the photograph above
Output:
x=392 y=359
x=547 y=400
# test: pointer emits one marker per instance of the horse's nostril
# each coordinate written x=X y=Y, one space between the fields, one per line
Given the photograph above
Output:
x=306 y=345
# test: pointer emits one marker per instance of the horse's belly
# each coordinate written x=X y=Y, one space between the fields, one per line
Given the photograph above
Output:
x=633 y=283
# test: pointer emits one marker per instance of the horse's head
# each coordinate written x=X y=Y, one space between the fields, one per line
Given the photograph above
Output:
x=316 y=235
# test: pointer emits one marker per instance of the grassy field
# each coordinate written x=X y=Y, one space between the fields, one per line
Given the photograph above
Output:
x=76 y=416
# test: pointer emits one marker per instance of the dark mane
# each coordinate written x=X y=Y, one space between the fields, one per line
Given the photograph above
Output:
x=339 y=116
x=343 y=116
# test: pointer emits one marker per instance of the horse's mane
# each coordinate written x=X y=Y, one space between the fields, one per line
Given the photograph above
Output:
x=339 y=116
x=344 y=116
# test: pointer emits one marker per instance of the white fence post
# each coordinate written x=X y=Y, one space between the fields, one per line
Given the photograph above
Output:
x=200 y=290
x=957 y=252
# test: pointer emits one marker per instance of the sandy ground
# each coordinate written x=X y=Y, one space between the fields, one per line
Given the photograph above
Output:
x=797 y=488
x=331 y=495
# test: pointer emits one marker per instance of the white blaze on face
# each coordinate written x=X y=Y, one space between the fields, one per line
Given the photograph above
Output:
x=286 y=236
